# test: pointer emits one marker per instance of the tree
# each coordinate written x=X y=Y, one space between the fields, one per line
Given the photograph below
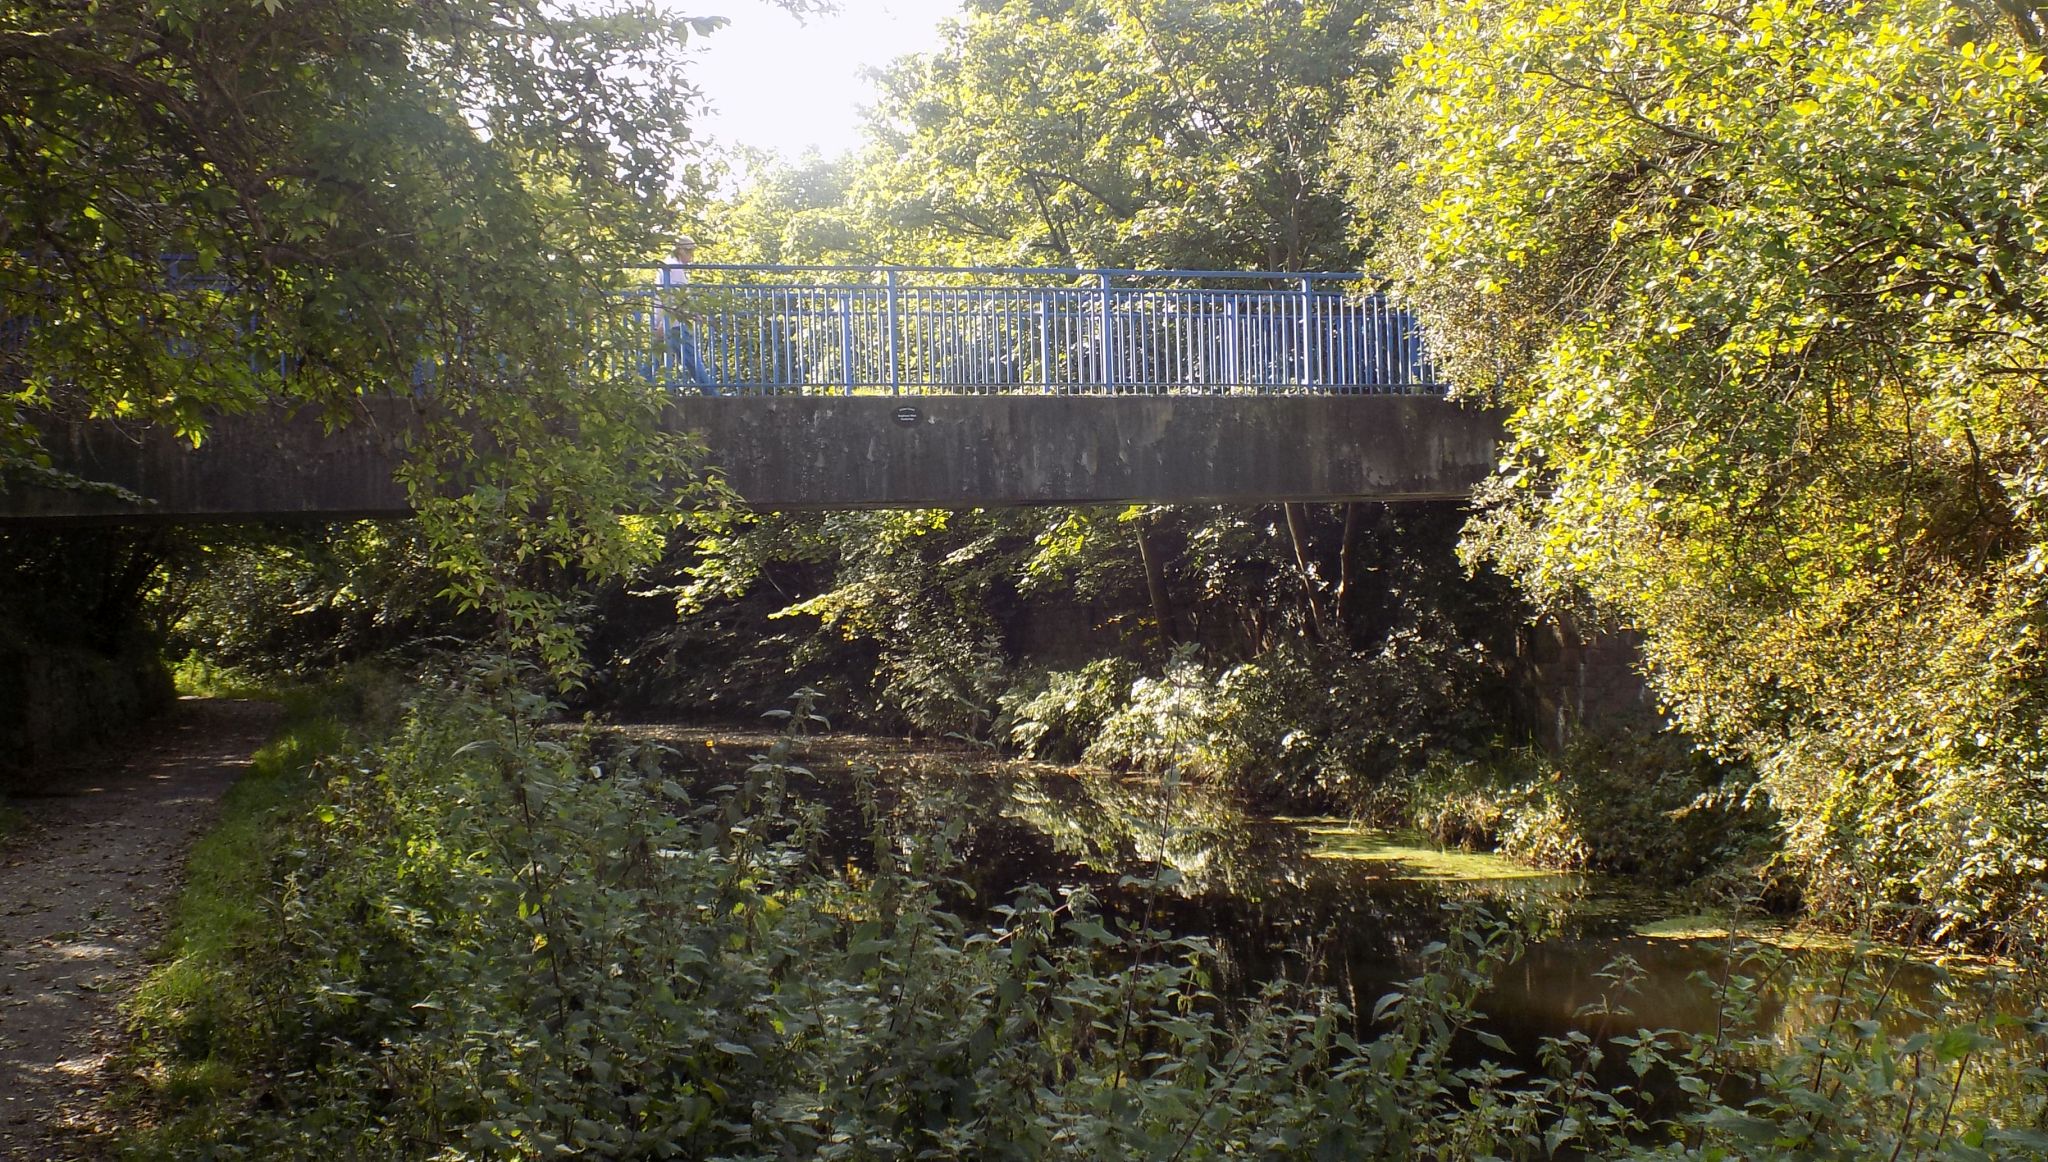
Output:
x=1157 y=133
x=792 y=212
x=207 y=207
x=1763 y=285
x=1174 y=133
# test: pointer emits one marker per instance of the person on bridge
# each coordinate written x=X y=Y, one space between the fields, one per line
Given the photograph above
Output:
x=682 y=341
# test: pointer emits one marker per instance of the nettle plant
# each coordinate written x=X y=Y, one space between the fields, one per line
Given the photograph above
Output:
x=501 y=939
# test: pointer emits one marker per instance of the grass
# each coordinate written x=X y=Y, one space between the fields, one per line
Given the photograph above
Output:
x=187 y=1008
x=195 y=677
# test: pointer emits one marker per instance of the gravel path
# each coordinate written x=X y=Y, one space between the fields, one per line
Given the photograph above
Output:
x=85 y=892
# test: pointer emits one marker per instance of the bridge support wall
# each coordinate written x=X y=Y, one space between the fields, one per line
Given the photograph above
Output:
x=267 y=465
x=968 y=451
x=835 y=452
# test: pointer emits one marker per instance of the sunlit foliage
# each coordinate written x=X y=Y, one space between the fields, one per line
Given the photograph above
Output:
x=1145 y=133
x=211 y=207
x=1763 y=284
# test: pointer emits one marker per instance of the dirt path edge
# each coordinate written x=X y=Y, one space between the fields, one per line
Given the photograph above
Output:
x=85 y=896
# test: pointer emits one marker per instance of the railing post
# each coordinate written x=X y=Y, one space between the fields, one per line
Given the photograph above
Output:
x=895 y=376
x=1234 y=372
x=846 y=339
x=1308 y=333
x=1044 y=341
x=1108 y=365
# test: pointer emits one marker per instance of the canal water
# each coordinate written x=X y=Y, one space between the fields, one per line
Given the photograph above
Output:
x=1320 y=901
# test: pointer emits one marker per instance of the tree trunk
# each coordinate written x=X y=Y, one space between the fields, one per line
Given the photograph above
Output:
x=1344 y=552
x=1155 y=583
x=1297 y=532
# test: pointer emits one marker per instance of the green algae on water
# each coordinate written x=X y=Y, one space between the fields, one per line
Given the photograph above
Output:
x=1412 y=855
x=1793 y=938
x=1717 y=926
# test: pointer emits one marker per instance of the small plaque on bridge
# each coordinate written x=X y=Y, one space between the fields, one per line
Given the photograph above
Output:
x=908 y=415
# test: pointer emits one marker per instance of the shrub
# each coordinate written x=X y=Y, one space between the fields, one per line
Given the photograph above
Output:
x=1166 y=724
x=495 y=941
x=1332 y=728
x=1298 y=724
x=1055 y=715
x=1640 y=802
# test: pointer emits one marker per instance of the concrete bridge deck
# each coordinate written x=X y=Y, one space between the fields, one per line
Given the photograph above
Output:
x=792 y=452
x=857 y=387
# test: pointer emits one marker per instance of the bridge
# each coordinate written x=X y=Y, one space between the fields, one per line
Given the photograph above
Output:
x=1064 y=331
x=847 y=387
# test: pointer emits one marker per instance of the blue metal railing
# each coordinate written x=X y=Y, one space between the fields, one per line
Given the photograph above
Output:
x=941 y=330
x=949 y=330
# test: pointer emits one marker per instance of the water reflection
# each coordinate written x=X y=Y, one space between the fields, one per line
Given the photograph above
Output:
x=1321 y=902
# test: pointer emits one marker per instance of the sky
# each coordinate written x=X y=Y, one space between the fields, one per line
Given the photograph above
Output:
x=779 y=83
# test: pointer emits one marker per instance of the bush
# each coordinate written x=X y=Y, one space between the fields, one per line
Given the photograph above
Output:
x=291 y=604
x=489 y=940
x=1643 y=803
x=1166 y=725
x=1055 y=715
x=1301 y=725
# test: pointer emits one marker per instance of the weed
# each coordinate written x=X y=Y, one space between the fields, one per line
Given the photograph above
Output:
x=483 y=939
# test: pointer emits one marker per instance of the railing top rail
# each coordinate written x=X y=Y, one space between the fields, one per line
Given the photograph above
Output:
x=1024 y=271
x=176 y=263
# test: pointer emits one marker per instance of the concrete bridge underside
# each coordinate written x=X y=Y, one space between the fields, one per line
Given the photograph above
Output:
x=790 y=452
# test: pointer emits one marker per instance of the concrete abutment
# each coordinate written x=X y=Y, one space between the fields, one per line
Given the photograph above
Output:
x=812 y=451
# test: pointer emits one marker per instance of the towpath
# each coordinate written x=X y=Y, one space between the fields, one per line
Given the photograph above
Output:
x=85 y=894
